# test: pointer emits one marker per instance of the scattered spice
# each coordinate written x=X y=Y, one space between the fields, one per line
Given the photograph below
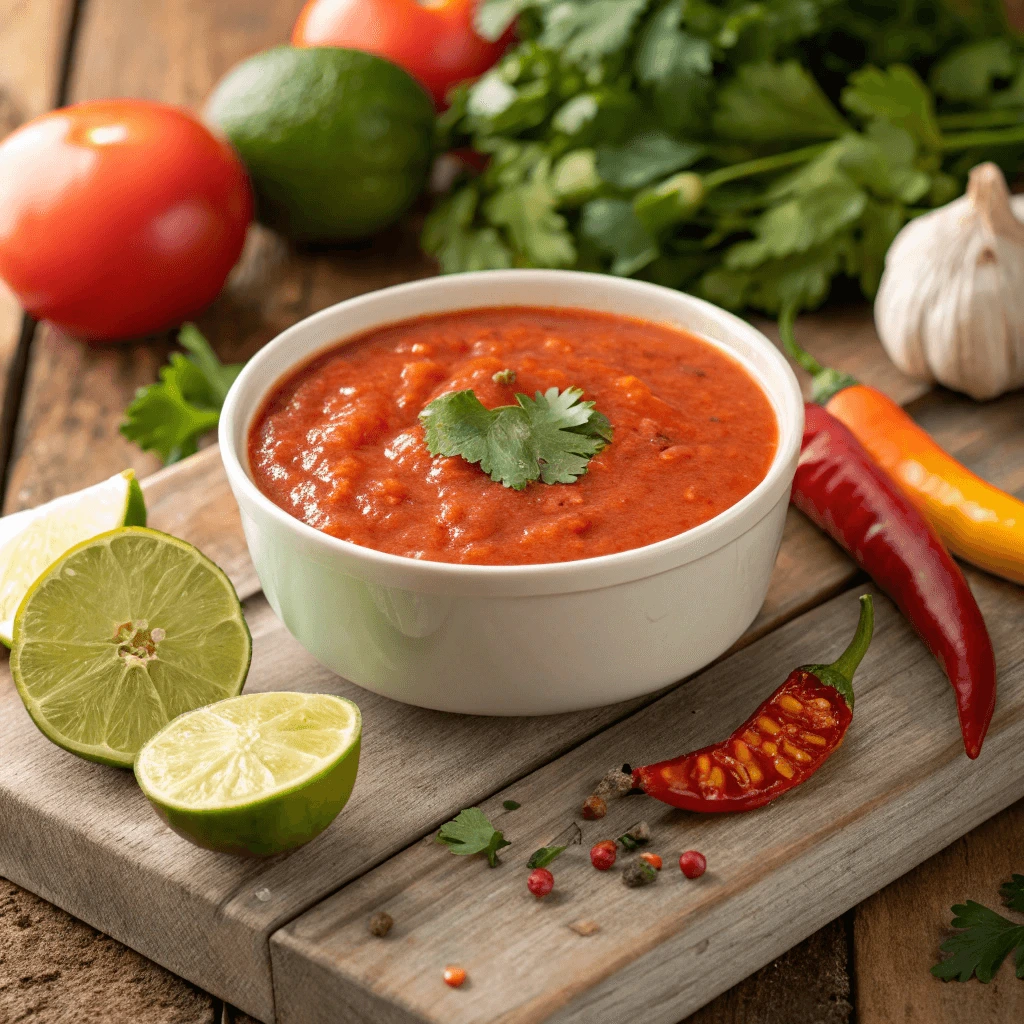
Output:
x=585 y=927
x=638 y=872
x=454 y=976
x=540 y=882
x=603 y=854
x=636 y=835
x=653 y=859
x=511 y=805
x=615 y=783
x=692 y=864
x=380 y=924
x=594 y=807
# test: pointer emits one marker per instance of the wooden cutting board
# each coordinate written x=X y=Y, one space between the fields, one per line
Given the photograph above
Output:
x=286 y=938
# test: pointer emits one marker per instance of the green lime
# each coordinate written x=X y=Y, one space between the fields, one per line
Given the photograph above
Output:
x=255 y=775
x=31 y=540
x=121 y=634
x=338 y=143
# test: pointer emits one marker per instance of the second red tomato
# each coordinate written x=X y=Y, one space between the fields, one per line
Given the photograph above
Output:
x=436 y=44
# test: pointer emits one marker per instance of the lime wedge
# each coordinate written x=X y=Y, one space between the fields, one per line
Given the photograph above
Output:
x=31 y=540
x=121 y=634
x=254 y=775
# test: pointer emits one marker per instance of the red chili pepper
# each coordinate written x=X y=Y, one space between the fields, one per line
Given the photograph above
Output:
x=846 y=493
x=786 y=740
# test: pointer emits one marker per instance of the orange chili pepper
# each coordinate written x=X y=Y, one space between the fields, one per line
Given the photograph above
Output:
x=975 y=519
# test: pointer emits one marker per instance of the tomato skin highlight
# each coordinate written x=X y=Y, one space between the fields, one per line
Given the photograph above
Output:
x=436 y=44
x=119 y=217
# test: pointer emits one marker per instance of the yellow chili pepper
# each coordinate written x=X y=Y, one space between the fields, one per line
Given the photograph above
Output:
x=975 y=519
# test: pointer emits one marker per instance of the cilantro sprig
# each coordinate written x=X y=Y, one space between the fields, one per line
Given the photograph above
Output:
x=550 y=437
x=170 y=416
x=986 y=938
x=470 y=832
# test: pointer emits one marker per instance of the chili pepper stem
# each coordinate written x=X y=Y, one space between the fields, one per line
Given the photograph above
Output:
x=839 y=674
x=826 y=381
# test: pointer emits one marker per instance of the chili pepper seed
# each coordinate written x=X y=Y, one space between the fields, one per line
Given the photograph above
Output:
x=540 y=882
x=638 y=872
x=653 y=859
x=692 y=864
x=585 y=928
x=380 y=924
x=454 y=976
x=603 y=854
x=594 y=807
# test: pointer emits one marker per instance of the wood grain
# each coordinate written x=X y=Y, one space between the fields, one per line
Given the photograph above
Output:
x=870 y=814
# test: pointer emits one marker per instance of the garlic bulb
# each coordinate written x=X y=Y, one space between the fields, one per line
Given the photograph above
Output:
x=950 y=307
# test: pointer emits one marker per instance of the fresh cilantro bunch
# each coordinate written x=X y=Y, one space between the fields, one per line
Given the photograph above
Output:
x=170 y=416
x=986 y=940
x=749 y=151
x=551 y=437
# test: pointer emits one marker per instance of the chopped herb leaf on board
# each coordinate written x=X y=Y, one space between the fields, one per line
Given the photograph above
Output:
x=544 y=856
x=470 y=832
x=986 y=938
x=753 y=152
x=170 y=416
x=551 y=437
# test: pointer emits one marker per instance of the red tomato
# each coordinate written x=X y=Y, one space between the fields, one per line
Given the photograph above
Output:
x=119 y=217
x=435 y=43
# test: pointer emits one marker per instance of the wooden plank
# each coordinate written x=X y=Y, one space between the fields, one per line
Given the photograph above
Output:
x=896 y=792
x=897 y=933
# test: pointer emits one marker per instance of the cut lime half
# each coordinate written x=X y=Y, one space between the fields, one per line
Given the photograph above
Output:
x=254 y=775
x=121 y=634
x=31 y=540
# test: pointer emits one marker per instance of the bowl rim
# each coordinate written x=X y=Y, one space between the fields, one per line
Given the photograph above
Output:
x=535 y=577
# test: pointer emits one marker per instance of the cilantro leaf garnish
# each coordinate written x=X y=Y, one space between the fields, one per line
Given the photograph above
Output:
x=551 y=437
x=986 y=939
x=470 y=832
x=544 y=856
x=170 y=416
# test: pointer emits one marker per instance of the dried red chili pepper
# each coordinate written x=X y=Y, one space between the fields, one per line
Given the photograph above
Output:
x=848 y=495
x=785 y=741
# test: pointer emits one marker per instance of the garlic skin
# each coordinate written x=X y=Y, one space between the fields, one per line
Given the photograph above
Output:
x=950 y=306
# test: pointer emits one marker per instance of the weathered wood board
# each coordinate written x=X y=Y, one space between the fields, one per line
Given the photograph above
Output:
x=83 y=837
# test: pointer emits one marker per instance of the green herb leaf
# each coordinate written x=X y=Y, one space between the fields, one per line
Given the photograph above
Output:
x=644 y=159
x=970 y=71
x=544 y=856
x=449 y=235
x=550 y=437
x=470 y=832
x=981 y=947
x=898 y=95
x=170 y=416
x=587 y=31
x=511 y=805
x=493 y=17
x=614 y=228
x=1012 y=893
x=775 y=103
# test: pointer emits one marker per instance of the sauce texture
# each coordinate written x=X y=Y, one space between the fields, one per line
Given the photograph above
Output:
x=338 y=443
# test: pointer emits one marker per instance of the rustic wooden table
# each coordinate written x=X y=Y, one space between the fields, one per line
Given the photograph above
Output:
x=61 y=407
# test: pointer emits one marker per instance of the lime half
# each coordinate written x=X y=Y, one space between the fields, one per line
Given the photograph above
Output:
x=31 y=540
x=121 y=634
x=255 y=775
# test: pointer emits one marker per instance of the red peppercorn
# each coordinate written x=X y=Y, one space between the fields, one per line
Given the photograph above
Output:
x=594 y=807
x=540 y=882
x=454 y=976
x=653 y=859
x=692 y=864
x=603 y=854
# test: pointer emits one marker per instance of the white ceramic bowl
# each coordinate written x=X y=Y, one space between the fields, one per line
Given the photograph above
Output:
x=522 y=639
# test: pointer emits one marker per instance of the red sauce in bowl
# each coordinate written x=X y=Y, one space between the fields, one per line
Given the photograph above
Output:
x=338 y=442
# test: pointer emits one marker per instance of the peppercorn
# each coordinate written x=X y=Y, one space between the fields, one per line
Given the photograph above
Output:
x=540 y=882
x=454 y=976
x=615 y=783
x=603 y=854
x=594 y=807
x=692 y=864
x=638 y=872
x=653 y=859
x=380 y=924
x=635 y=836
